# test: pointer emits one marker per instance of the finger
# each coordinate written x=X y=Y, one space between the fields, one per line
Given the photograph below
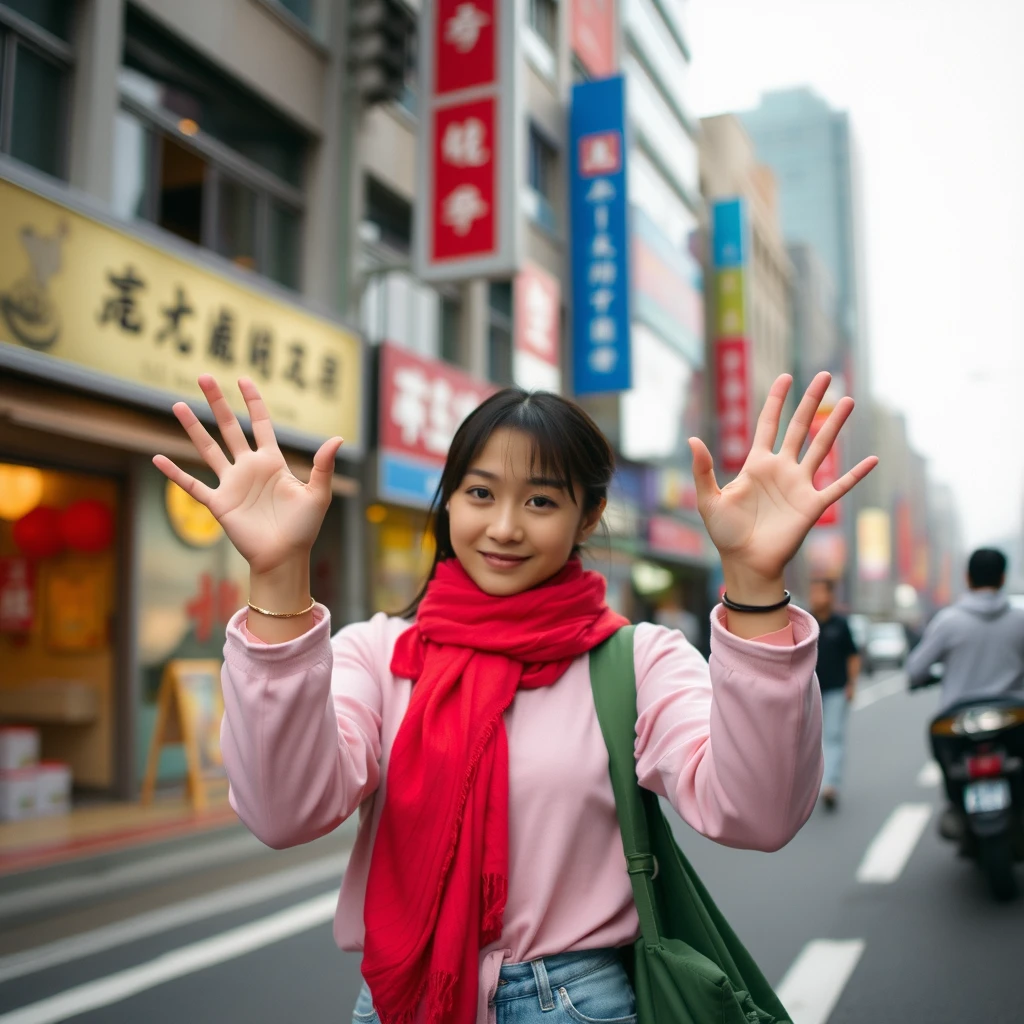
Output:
x=768 y=421
x=208 y=449
x=803 y=418
x=189 y=484
x=323 y=467
x=826 y=436
x=847 y=482
x=262 y=427
x=703 y=472
x=227 y=422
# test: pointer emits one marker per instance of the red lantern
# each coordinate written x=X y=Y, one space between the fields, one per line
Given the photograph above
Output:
x=37 y=534
x=87 y=526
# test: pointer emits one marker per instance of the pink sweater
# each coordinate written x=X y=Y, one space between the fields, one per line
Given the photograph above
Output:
x=735 y=746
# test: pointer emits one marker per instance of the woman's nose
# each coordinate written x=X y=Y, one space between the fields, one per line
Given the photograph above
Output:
x=504 y=527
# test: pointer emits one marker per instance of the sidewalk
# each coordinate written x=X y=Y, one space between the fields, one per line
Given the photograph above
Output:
x=102 y=828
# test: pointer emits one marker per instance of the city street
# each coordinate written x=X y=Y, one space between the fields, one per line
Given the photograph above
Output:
x=221 y=930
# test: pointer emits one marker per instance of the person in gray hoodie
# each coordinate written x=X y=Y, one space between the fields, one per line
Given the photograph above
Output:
x=979 y=640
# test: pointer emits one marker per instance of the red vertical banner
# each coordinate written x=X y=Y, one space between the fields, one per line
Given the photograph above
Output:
x=538 y=306
x=468 y=215
x=904 y=541
x=466 y=45
x=593 y=35
x=734 y=401
x=465 y=179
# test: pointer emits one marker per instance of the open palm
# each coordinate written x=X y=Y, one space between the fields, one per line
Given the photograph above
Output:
x=761 y=518
x=266 y=511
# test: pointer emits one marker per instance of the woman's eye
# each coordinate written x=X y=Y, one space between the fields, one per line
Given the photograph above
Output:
x=542 y=502
x=478 y=492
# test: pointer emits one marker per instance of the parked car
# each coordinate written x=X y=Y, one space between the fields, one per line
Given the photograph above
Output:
x=887 y=645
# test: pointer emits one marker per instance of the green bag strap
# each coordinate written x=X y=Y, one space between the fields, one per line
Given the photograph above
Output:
x=613 y=681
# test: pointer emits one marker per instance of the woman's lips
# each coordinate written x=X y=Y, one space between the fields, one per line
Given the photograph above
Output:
x=502 y=561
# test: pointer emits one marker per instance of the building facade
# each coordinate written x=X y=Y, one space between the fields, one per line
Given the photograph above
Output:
x=170 y=206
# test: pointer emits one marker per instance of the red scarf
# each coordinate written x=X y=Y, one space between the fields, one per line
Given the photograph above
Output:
x=438 y=876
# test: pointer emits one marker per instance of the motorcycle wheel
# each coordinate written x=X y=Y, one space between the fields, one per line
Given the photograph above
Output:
x=995 y=856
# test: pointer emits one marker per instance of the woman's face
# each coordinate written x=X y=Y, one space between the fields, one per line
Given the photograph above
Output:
x=511 y=529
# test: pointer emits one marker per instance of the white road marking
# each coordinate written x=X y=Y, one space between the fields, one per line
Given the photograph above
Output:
x=930 y=775
x=890 y=850
x=879 y=691
x=176 y=964
x=155 y=922
x=813 y=984
x=137 y=872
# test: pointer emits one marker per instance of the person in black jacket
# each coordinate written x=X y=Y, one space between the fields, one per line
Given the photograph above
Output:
x=838 y=668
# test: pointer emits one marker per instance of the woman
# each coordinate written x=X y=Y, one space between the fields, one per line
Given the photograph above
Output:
x=488 y=878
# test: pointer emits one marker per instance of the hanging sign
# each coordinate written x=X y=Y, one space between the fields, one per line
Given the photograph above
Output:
x=468 y=217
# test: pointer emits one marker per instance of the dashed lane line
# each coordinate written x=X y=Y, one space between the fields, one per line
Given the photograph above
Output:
x=930 y=775
x=888 y=687
x=813 y=984
x=217 y=949
x=890 y=850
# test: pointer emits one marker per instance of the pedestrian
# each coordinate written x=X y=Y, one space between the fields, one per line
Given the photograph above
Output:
x=837 y=669
x=493 y=869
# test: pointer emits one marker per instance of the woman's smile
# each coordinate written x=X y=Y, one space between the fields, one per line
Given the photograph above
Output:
x=501 y=561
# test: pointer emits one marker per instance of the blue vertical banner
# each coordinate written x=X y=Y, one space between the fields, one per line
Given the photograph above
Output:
x=600 y=239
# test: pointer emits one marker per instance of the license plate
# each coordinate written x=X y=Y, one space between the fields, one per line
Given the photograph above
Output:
x=991 y=795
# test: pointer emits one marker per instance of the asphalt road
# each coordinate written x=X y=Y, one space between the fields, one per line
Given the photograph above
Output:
x=865 y=917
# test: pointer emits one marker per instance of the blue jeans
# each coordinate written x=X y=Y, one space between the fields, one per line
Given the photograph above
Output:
x=834 y=708
x=582 y=987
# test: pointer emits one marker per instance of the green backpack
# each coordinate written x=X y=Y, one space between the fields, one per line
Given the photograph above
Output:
x=688 y=966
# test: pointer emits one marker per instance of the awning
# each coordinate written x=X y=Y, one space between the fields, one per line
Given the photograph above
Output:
x=69 y=415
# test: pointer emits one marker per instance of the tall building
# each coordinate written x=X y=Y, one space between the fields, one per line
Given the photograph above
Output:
x=730 y=168
x=651 y=422
x=812 y=150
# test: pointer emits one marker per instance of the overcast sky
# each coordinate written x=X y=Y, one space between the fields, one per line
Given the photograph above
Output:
x=935 y=90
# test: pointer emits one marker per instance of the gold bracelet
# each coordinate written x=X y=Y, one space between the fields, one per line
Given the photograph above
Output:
x=283 y=615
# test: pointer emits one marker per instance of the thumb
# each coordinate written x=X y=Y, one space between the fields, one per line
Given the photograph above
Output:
x=703 y=472
x=323 y=468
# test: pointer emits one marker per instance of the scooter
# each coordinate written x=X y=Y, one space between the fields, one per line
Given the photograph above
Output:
x=979 y=745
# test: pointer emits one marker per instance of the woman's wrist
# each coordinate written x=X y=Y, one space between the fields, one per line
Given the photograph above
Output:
x=283 y=590
x=750 y=588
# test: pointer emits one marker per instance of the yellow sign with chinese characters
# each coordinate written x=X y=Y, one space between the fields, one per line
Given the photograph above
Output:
x=77 y=290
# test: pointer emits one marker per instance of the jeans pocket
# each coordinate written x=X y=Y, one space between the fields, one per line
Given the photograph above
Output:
x=604 y=997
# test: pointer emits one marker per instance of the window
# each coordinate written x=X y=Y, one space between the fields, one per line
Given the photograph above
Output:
x=204 y=158
x=390 y=215
x=542 y=176
x=499 y=333
x=544 y=20
x=35 y=63
x=302 y=9
x=451 y=350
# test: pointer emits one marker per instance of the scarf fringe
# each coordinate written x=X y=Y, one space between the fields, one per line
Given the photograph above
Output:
x=495 y=898
x=438 y=991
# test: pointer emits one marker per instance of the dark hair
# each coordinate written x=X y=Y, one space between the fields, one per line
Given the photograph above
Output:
x=986 y=568
x=826 y=582
x=567 y=445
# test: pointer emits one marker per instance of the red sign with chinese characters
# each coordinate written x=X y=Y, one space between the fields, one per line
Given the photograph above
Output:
x=600 y=154
x=537 y=319
x=423 y=402
x=17 y=595
x=733 y=402
x=465 y=179
x=674 y=537
x=465 y=45
x=593 y=35
x=828 y=471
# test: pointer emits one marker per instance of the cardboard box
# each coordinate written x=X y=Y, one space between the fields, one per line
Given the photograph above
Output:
x=53 y=788
x=18 y=796
x=19 y=747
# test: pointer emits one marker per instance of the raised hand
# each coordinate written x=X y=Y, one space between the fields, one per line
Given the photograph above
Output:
x=270 y=516
x=760 y=519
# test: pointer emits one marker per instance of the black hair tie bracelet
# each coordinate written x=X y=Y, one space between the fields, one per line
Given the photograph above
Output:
x=753 y=609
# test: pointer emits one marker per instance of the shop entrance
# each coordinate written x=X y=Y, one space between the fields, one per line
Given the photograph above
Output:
x=59 y=596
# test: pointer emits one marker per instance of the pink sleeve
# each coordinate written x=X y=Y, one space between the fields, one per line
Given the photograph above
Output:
x=735 y=745
x=301 y=729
